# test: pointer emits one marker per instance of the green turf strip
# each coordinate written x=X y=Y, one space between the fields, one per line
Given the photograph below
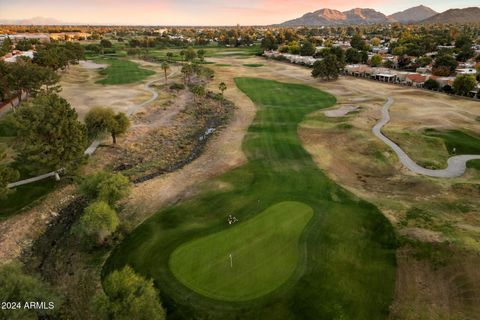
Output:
x=348 y=269
x=462 y=142
x=253 y=65
x=265 y=248
x=122 y=72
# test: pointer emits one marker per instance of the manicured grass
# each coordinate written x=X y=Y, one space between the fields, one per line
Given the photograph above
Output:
x=209 y=52
x=122 y=72
x=265 y=247
x=24 y=196
x=462 y=142
x=253 y=65
x=347 y=268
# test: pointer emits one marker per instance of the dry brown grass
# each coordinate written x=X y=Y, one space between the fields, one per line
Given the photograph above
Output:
x=79 y=88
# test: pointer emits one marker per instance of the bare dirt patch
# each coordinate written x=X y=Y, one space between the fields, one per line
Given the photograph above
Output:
x=341 y=112
x=89 y=64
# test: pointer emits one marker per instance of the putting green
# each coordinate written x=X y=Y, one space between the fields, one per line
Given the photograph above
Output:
x=341 y=266
x=265 y=252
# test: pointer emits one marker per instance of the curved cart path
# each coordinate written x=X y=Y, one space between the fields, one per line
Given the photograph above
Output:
x=93 y=147
x=456 y=165
x=131 y=110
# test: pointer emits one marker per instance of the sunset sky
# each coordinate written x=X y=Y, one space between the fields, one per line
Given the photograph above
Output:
x=198 y=12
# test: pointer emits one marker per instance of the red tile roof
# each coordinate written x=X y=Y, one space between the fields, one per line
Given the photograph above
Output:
x=415 y=77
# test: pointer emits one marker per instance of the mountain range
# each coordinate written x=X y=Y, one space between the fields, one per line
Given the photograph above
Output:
x=419 y=14
x=331 y=17
x=32 y=21
x=467 y=15
x=414 y=14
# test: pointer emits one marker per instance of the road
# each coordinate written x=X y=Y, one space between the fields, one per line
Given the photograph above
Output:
x=456 y=165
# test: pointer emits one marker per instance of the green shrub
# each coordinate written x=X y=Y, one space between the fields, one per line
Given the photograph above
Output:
x=344 y=126
x=177 y=86
x=105 y=186
x=98 y=221
x=19 y=287
x=128 y=296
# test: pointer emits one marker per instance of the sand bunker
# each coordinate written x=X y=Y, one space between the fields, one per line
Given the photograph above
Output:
x=88 y=64
x=341 y=112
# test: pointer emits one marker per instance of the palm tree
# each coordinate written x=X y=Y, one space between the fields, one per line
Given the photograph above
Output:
x=165 y=67
x=201 y=54
x=222 y=87
x=187 y=71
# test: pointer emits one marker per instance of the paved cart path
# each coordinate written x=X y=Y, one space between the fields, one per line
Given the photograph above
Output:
x=456 y=165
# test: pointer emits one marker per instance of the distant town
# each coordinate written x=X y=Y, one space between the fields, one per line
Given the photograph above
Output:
x=424 y=56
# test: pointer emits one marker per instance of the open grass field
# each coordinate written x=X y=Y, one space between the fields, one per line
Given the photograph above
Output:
x=344 y=264
x=122 y=72
x=209 y=52
x=265 y=248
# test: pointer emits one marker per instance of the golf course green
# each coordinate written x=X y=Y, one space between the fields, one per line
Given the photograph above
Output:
x=121 y=71
x=265 y=247
x=303 y=247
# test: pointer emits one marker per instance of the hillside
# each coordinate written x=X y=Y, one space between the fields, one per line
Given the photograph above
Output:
x=414 y=14
x=32 y=21
x=327 y=17
x=467 y=15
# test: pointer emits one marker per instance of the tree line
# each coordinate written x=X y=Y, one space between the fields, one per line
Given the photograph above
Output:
x=38 y=75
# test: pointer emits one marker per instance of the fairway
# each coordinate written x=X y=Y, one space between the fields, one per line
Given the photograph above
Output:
x=333 y=257
x=265 y=247
x=122 y=72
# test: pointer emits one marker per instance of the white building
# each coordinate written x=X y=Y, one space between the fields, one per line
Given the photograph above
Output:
x=28 y=54
x=471 y=71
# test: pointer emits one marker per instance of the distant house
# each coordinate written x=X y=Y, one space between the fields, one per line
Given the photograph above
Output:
x=358 y=70
x=342 y=44
x=445 y=47
x=427 y=69
x=471 y=71
x=415 y=79
x=13 y=56
x=380 y=50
